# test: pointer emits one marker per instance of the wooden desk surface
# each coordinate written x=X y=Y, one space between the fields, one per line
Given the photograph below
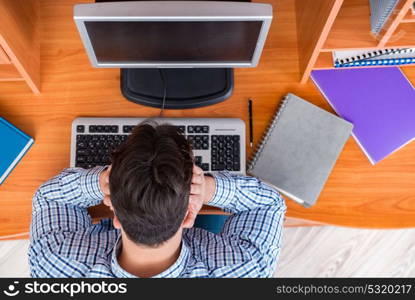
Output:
x=356 y=194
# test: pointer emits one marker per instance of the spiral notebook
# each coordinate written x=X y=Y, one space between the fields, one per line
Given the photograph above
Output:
x=383 y=57
x=380 y=11
x=299 y=149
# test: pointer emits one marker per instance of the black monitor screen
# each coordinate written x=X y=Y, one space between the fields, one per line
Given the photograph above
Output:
x=196 y=41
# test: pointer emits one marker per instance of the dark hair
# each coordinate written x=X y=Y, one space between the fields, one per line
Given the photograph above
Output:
x=150 y=182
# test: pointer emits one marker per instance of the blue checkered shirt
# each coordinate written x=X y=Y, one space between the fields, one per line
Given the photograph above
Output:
x=65 y=243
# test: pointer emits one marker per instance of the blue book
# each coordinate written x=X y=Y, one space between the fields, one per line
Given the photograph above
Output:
x=14 y=145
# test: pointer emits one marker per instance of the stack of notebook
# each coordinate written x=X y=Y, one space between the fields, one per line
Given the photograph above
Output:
x=385 y=57
x=299 y=149
x=380 y=11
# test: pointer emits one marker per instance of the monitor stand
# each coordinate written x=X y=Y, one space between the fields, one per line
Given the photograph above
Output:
x=186 y=88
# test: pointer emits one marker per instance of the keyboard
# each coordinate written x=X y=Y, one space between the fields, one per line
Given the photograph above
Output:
x=218 y=143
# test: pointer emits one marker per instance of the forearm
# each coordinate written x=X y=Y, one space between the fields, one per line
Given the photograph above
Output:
x=59 y=205
x=77 y=187
x=236 y=193
x=252 y=234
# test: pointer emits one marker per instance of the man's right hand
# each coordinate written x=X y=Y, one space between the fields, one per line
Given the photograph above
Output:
x=202 y=190
x=105 y=187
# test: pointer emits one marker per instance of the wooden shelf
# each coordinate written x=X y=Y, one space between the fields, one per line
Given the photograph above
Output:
x=8 y=72
x=19 y=40
x=409 y=17
x=326 y=26
x=314 y=20
x=324 y=61
x=403 y=37
x=4 y=59
x=351 y=29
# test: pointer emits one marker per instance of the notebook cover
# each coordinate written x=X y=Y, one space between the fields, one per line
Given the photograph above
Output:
x=14 y=144
x=380 y=11
x=301 y=149
x=380 y=102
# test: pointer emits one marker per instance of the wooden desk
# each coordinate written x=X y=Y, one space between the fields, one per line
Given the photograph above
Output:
x=356 y=194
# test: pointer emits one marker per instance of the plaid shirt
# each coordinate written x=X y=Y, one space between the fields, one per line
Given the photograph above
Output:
x=65 y=243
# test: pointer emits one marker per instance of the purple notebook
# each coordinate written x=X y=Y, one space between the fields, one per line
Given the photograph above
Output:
x=380 y=102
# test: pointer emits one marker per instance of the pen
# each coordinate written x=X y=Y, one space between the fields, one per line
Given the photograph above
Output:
x=251 y=128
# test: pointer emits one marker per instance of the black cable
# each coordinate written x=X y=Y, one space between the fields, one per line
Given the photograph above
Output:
x=163 y=80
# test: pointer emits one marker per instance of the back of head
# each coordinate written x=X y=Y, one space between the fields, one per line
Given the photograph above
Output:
x=150 y=183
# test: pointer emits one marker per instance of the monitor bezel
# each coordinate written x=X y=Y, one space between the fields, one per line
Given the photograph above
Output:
x=170 y=11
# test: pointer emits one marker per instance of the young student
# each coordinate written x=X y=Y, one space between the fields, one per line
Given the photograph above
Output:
x=155 y=192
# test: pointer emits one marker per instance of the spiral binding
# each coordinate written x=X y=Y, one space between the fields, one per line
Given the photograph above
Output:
x=381 y=20
x=268 y=132
x=363 y=56
x=380 y=62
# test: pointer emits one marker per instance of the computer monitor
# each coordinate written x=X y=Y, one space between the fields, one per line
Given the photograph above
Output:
x=192 y=42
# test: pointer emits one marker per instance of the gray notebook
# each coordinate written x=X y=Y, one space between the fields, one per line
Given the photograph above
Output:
x=299 y=149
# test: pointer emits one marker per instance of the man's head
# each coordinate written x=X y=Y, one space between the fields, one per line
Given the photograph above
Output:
x=150 y=183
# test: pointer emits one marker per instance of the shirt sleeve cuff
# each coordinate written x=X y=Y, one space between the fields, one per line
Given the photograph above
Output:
x=225 y=190
x=89 y=182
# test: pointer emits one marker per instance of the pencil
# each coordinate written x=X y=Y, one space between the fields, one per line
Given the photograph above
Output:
x=251 y=127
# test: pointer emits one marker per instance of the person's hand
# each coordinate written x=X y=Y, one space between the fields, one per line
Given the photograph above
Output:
x=201 y=191
x=105 y=187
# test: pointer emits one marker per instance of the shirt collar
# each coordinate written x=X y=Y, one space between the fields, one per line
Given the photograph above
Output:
x=173 y=271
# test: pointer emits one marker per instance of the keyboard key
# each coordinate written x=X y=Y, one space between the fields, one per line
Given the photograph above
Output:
x=218 y=167
x=80 y=128
x=181 y=128
x=82 y=152
x=205 y=129
x=80 y=159
x=127 y=129
x=204 y=167
x=190 y=129
x=92 y=128
x=81 y=145
x=114 y=129
x=236 y=149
